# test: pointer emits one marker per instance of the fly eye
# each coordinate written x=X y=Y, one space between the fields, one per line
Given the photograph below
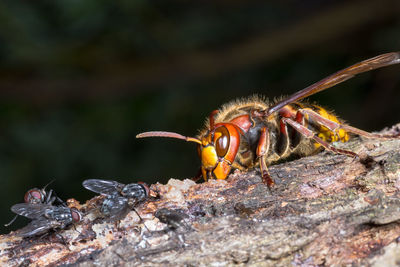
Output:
x=76 y=215
x=222 y=141
x=34 y=196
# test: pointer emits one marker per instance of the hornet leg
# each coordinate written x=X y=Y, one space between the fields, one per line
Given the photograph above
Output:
x=334 y=126
x=310 y=134
x=262 y=151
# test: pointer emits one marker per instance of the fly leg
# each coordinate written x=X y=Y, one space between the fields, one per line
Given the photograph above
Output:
x=334 y=126
x=310 y=134
x=64 y=242
x=262 y=151
x=51 y=197
x=141 y=219
x=11 y=222
x=144 y=236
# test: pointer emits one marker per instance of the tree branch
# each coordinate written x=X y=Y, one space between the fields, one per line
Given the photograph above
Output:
x=325 y=209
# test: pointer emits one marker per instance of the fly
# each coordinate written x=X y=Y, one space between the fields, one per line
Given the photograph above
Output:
x=36 y=196
x=45 y=217
x=120 y=198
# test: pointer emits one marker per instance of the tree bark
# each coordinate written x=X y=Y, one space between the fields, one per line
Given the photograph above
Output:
x=325 y=209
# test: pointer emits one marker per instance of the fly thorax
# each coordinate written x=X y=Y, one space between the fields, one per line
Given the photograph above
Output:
x=134 y=191
x=61 y=214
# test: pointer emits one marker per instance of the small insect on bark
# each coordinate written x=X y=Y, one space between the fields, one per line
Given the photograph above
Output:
x=45 y=217
x=173 y=218
x=120 y=198
x=36 y=196
x=256 y=133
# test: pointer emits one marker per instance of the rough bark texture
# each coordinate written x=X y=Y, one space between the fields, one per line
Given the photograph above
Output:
x=324 y=210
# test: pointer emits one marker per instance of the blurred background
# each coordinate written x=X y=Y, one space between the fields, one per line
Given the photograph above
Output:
x=79 y=79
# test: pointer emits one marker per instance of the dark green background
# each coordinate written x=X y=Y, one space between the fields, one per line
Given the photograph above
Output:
x=79 y=79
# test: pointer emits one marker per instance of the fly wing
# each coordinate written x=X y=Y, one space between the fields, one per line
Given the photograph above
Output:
x=37 y=227
x=115 y=207
x=118 y=214
x=30 y=210
x=105 y=187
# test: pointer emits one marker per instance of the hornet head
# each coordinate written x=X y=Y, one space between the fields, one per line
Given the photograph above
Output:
x=217 y=148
